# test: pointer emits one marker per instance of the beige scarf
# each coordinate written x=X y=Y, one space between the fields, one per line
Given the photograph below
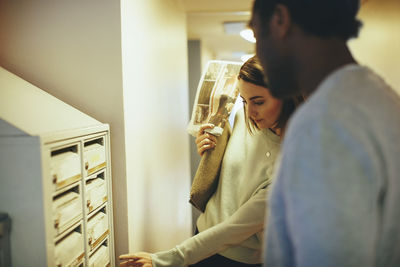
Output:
x=205 y=181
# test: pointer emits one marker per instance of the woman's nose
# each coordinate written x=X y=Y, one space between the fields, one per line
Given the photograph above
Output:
x=252 y=111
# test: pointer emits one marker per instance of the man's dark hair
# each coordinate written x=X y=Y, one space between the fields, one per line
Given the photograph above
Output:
x=323 y=18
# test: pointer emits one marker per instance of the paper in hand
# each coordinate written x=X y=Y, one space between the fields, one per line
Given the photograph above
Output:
x=216 y=95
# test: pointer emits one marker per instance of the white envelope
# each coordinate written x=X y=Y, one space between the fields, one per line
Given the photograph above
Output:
x=65 y=169
x=96 y=193
x=100 y=258
x=67 y=209
x=70 y=250
x=95 y=157
x=97 y=229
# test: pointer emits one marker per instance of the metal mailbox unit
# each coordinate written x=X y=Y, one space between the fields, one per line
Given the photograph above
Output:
x=55 y=179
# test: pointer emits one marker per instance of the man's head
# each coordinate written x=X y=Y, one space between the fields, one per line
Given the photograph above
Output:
x=278 y=25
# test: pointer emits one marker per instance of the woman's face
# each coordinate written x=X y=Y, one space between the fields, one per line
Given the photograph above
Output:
x=262 y=108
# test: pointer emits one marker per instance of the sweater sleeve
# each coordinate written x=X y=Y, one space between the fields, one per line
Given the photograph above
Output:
x=245 y=222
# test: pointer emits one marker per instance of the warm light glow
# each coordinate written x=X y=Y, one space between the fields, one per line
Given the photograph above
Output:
x=248 y=35
x=245 y=57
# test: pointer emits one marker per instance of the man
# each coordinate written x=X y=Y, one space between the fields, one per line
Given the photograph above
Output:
x=335 y=200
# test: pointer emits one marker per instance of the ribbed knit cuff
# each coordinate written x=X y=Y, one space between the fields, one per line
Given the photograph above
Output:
x=168 y=258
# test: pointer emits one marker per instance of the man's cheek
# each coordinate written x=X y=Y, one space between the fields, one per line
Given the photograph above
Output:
x=262 y=54
x=260 y=49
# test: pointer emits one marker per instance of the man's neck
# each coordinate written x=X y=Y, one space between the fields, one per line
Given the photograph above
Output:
x=317 y=60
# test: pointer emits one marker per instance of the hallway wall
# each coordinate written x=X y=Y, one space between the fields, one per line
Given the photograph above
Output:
x=155 y=76
x=72 y=50
x=379 y=41
x=128 y=70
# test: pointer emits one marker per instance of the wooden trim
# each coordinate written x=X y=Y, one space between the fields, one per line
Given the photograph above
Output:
x=78 y=260
x=91 y=208
x=68 y=181
x=81 y=256
x=99 y=240
x=98 y=167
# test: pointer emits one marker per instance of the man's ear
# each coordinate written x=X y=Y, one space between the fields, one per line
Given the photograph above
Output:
x=281 y=21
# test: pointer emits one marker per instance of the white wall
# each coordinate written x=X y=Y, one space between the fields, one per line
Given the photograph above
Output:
x=195 y=71
x=206 y=55
x=154 y=53
x=72 y=49
x=198 y=56
x=379 y=41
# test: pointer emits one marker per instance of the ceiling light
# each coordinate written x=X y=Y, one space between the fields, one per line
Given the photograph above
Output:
x=248 y=35
x=246 y=57
x=234 y=27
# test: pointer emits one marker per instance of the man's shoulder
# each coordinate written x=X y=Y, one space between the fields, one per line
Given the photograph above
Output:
x=353 y=98
x=352 y=90
x=354 y=85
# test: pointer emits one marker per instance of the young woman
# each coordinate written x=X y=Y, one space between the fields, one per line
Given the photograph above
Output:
x=231 y=228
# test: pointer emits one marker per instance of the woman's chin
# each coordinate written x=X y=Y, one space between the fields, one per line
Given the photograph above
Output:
x=261 y=126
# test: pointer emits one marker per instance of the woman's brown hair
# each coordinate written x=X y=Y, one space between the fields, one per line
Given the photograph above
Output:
x=252 y=72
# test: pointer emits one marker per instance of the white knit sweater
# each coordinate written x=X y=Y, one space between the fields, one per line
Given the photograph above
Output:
x=233 y=222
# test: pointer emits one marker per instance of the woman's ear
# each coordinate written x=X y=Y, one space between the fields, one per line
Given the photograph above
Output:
x=281 y=22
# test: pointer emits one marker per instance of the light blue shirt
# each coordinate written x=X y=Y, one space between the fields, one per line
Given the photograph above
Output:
x=336 y=198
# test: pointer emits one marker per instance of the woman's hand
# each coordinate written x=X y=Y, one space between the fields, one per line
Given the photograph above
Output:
x=140 y=259
x=204 y=140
